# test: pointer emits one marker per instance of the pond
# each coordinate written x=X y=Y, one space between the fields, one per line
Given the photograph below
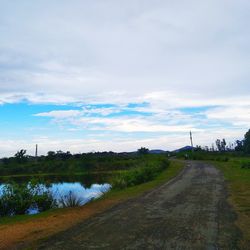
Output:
x=84 y=188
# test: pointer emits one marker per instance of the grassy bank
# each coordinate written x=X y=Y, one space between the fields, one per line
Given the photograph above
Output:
x=19 y=198
x=238 y=179
x=145 y=173
x=173 y=169
x=26 y=228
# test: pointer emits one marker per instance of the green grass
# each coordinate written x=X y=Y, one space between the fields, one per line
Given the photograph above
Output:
x=238 y=180
x=139 y=175
x=94 y=162
x=174 y=169
x=63 y=174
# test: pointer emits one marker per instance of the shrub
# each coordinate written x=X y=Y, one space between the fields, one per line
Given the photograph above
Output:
x=70 y=200
x=44 y=201
x=17 y=199
x=139 y=175
x=6 y=206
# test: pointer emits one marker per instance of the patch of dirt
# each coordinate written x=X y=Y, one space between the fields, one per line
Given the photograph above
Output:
x=189 y=212
x=24 y=234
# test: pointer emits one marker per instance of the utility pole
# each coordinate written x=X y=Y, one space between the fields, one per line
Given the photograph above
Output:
x=191 y=140
x=36 y=151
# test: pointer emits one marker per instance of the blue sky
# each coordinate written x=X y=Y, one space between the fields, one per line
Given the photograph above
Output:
x=114 y=75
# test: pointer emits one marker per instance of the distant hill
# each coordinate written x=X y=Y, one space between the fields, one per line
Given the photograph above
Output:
x=186 y=148
x=157 y=151
x=152 y=151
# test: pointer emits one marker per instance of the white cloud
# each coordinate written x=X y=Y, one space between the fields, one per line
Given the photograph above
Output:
x=87 y=48
x=127 y=124
x=236 y=115
x=169 y=54
x=88 y=145
x=60 y=114
x=124 y=119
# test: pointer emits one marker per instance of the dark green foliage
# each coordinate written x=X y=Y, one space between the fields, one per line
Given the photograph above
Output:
x=247 y=142
x=143 y=150
x=44 y=201
x=6 y=202
x=140 y=174
x=239 y=145
x=222 y=158
x=245 y=165
x=18 y=198
x=206 y=156
x=20 y=156
x=21 y=198
x=42 y=198
x=15 y=199
x=59 y=162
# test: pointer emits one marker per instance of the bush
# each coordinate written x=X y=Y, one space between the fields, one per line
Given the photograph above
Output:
x=70 y=200
x=6 y=206
x=139 y=175
x=44 y=201
x=17 y=199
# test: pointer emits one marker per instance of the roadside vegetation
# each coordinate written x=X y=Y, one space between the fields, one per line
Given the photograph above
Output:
x=125 y=170
x=17 y=199
x=139 y=175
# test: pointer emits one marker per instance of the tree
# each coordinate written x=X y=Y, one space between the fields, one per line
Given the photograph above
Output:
x=247 y=142
x=51 y=155
x=198 y=148
x=21 y=156
x=223 y=145
x=143 y=151
x=218 y=144
x=239 y=145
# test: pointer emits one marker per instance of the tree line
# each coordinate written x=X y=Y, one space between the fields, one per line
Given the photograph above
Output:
x=221 y=145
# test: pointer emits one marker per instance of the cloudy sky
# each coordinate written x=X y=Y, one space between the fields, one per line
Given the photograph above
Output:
x=86 y=75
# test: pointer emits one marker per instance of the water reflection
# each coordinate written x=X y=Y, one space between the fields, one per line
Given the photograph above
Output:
x=62 y=186
x=85 y=180
x=84 y=194
x=61 y=190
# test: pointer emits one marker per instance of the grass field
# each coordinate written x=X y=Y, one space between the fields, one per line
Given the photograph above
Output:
x=238 y=180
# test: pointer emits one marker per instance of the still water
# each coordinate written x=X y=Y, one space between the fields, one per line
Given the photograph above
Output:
x=83 y=187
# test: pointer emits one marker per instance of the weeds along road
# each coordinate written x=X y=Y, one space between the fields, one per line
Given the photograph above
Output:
x=189 y=212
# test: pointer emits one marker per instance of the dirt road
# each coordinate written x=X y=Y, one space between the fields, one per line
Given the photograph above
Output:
x=189 y=212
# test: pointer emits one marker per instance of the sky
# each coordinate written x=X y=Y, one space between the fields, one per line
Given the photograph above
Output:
x=95 y=75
